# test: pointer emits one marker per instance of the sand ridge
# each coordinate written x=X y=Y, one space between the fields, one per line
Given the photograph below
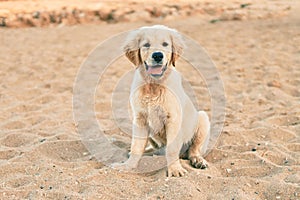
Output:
x=41 y=13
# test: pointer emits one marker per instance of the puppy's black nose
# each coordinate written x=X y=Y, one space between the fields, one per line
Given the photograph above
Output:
x=157 y=56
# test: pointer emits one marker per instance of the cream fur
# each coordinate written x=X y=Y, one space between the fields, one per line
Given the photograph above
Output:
x=162 y=112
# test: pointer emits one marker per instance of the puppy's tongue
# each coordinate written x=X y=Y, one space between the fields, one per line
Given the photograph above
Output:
x=154 y=70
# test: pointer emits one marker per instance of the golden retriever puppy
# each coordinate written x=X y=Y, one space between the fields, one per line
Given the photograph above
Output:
x=163 y=114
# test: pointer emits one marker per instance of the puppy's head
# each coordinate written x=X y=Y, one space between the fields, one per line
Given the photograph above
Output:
x=154 y=48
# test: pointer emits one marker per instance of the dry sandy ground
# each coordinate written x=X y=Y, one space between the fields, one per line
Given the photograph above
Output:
x=257 y=155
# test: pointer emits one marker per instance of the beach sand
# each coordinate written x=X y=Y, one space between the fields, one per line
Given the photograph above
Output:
x=257 y=155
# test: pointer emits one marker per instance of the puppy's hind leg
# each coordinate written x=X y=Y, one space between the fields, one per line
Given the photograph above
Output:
x=200 y=142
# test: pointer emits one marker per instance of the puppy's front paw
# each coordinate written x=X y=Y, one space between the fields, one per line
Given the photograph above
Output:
x=198 y=162
x=122 y=166
x=176 y=170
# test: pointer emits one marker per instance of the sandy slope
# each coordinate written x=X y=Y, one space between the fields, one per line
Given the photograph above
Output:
x=257 y=155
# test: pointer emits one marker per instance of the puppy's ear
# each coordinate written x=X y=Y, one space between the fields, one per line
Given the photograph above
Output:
x=131 y=48
x=177 y=46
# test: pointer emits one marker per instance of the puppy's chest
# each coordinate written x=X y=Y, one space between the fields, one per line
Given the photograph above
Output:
x=152 y=95
x=152 y=98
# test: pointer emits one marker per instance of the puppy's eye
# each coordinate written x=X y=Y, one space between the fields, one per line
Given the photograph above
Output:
x=147 y=44
x=165 y=44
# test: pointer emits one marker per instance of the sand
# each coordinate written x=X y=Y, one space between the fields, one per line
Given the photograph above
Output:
x=257 y=155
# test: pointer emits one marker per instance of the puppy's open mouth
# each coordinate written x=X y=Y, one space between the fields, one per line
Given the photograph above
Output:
x=155 y=70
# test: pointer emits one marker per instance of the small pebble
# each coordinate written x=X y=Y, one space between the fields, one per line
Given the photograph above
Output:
x=274 y=84
x=43 y=140
x=244 y=5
